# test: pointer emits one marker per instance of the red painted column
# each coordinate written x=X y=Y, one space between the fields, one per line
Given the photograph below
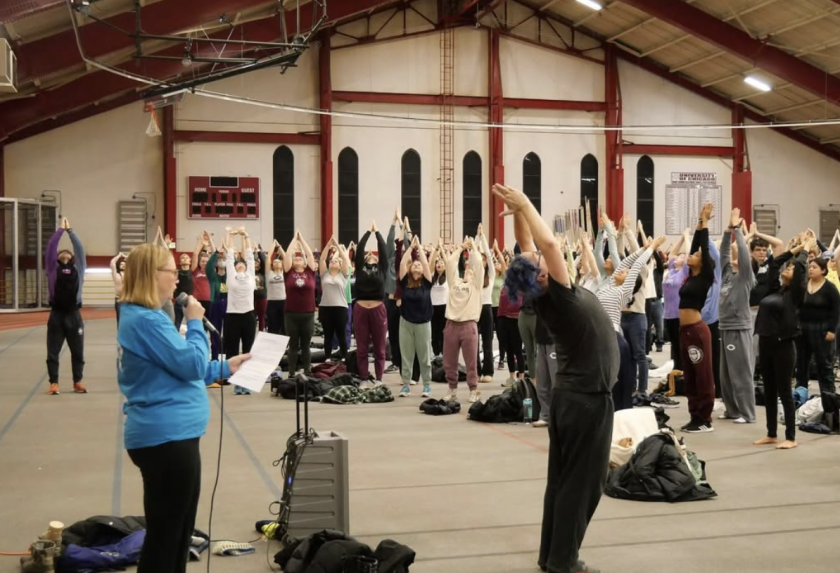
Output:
x=497 y=137
x=2 y=171
x=741 y=174
x=615 y=167
x=326 y=103
x=170 y=182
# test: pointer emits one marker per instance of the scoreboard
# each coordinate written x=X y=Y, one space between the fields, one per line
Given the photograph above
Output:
x=223 y=197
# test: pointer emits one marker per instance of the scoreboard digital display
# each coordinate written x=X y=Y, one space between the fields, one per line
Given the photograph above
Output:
x=223 y=197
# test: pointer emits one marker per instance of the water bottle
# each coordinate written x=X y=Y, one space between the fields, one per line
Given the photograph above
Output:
x=528 y=406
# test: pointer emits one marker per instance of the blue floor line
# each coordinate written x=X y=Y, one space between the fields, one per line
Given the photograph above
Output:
x=269 y=483
x=116 y=495
x=31 y=330
x=19 y=411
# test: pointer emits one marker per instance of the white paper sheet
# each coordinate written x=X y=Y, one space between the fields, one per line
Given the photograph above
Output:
x=266 y=354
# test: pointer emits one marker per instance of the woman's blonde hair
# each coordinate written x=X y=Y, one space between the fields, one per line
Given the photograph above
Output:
x=140 y=277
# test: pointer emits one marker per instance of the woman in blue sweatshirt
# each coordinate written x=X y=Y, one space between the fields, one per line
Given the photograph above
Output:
x=163 y=377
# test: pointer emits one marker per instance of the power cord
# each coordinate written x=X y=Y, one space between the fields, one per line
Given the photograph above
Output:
x=222 y=360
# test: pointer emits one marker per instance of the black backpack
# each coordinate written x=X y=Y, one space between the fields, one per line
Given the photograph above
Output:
x=524 y=388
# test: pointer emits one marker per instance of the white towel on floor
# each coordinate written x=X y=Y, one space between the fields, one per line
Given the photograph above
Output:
x=634 y=423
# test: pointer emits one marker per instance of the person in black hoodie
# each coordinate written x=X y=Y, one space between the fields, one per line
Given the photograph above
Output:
x=777 y=326
x=65 y=277
x=370 y=318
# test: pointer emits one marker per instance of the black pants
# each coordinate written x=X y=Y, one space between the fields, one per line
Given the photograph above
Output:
x=672 y=325
x=622 y=392
x=485 y=331
x=812 y=344
x=777 y=359
x=394 y=331
x=179 y=316
x=274 y=316
x=580 y=430
x=715 y=332
x=117 y=309
x=510 y=342
x=502 y=347
x=334 y=322
x=438 y=324
x=239 y=328
x=171 y=486
x=66 y=325
x=299 y=328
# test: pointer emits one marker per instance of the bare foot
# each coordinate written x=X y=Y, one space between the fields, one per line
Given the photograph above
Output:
x=765 y=441
x=786 y=445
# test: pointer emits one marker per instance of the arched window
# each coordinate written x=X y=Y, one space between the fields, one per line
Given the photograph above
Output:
x=472 y=193
x=589 y=186
x=644 y=193
x=284 y=195
x=532 y=179
x=411 y=190
x=348 y=196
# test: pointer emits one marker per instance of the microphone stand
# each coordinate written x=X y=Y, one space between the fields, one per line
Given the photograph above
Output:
x=222 y=360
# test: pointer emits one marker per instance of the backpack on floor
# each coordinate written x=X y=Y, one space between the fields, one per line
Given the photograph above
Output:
x=524 y=388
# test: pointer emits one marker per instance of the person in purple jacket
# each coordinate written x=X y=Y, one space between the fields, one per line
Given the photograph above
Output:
x=65 y=278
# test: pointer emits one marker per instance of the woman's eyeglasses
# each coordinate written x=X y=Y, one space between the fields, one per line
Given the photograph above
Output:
x=173 y=272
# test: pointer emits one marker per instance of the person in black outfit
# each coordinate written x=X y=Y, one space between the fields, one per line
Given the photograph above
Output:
x=777 y=326
x=185 y=285
x=818 y=319
x=654 y=307
x=581 y=418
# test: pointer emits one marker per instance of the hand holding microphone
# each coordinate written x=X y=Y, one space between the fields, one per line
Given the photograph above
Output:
x=193 y=310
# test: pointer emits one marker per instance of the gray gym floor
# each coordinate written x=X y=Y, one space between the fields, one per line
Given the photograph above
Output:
x=465 y=496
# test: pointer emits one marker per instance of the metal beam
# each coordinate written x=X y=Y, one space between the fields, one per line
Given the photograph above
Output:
x=11 y=11
x=170 y=171
x=526 y=103
x=187 y=136
x=325 y=138
x=407 y=99
x=741 y=174
x=728 y=38
x=98 y=86
x=497 y=135
x=614 y=146
x=685 y=150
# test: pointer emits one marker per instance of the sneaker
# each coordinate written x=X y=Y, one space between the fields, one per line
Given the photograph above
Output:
x=663 y=401
x=509 y=382
x=78 y=388
x=451 y=395
x=237 y=390
x=718 y=406
x=378 y=382
x=474 y=396
x=698 y=428
x=54 y=390
x=405 y=392
x=391 y=369
x=485 y=379
x=213 y=386
x=413 y=382
x=740 y=420
x=366 y=385
x=427 y=391
x=727 y=416
x=539 y=424
x=659 y=349
x=684 y=426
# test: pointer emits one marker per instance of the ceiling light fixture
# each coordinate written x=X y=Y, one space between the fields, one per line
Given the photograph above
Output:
x=590 y=4
x=187 y=60
x=758 y=84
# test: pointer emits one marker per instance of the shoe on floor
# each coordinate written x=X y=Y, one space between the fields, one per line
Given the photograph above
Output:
x=698 y=428
x=539 y=424
x=740 y=420
x=413 y=382
x=485 y=379
x=391 y=369
x=727 y=416
x=659 y=349
x=79 y=388
x=501 y=365
x=427 y=391
x=405 y=392
x=366 y=385
x=473 y=396
x=718 y=406
x=509 y=382
x=54 y=390
x=451 y=396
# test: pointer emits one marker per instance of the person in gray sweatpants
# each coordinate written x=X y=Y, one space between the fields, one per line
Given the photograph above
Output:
x=737 y=357
x=546 y=366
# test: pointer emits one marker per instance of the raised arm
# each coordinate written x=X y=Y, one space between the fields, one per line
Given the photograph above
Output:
x=522 y=234
x=345 y=260
x=641 y=258
x=776 y=244
x=726 y=252
x=485 y=248
x=248 y=255
x=543 y=238
x=499 y=257
x=360 y=251
x=307 y=253
x=78 y=253
x=325 y=253
x=592 y=264
x=424 y=263
x=199 y=246
x=381 y=247
x=405 y=263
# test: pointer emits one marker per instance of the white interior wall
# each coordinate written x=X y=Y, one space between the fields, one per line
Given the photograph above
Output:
x=797 y=179
x=248 y=160
x=663 y=166
x=95 y=163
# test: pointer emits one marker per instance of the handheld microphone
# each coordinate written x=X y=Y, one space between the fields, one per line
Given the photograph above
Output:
x=182 y=299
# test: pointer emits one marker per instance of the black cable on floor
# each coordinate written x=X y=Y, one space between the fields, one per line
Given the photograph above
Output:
x=218 y=470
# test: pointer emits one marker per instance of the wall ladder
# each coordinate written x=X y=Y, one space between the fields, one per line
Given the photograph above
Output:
x=447 y=134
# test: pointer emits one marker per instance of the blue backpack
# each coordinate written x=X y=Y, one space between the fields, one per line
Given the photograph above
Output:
x=114 y=557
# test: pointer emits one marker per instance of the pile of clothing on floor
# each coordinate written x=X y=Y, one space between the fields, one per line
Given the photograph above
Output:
x=331 y=551
x=649 y=463
x=817 y=414
x=330 y=383
x=432 y=407
x=508 y=406
x=109 y=543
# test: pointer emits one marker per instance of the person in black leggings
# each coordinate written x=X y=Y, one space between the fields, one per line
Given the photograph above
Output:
x=777 y=326
x=333 y=309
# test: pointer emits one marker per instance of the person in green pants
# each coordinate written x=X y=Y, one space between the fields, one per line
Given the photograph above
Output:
x=416 y=319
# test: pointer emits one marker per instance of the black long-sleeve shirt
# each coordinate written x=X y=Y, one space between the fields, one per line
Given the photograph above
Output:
x=658 y=273
x=370 y=279
x=821 y=307
x=695 y=290
x=778 y=312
